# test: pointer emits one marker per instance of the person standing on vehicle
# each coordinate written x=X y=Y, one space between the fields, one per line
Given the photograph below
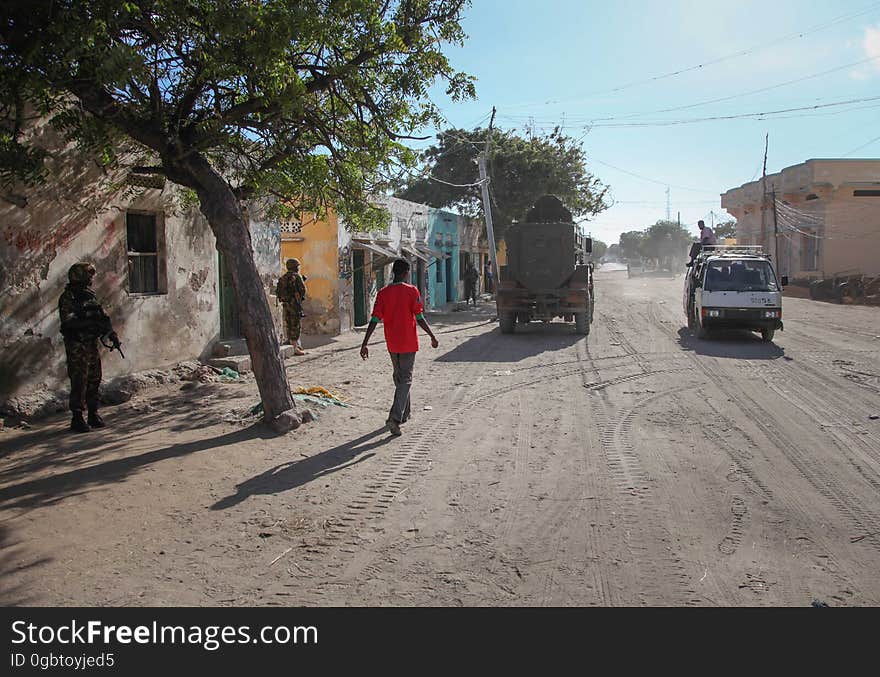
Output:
x=707 y=235
x=399 y=307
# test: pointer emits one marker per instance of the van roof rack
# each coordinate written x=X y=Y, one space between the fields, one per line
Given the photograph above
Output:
x=741 y=249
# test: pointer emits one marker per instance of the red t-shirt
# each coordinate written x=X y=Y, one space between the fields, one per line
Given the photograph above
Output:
x=397 y=306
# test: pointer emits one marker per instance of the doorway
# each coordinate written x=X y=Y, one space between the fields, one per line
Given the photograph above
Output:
x=450 y=283
x=230 y=320
x=360 y=304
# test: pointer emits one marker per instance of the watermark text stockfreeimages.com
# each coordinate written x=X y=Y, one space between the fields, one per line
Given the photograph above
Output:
x=210 y=637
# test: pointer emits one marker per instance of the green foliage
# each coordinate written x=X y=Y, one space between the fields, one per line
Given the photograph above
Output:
x=725 y=229
x=631 y=244
x=665 y=242
x=599 y=249
x=520 y=169
x=303 y=101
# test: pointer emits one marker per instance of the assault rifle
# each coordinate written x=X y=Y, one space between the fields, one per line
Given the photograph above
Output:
x=114 y=343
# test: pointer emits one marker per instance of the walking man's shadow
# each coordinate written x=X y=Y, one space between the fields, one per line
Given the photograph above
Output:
x=296 y=473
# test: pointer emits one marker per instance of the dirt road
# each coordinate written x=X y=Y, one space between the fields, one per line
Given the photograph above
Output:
x=638 y=466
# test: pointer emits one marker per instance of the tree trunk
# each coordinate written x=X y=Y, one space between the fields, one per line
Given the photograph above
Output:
x=225 y=216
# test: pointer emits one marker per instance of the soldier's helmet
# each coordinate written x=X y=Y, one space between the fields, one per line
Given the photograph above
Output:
x=292 y=264
x=81 y=273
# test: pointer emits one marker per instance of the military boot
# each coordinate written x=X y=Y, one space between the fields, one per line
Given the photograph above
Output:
x=95 y=419
x=78 y=424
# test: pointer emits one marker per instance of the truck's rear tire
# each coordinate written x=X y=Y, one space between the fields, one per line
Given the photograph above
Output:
x=767 y=335
x=582 y=323
x=507 y=322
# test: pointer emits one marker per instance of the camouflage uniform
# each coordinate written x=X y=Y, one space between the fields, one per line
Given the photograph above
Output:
x=83 y=322
x=291 y=290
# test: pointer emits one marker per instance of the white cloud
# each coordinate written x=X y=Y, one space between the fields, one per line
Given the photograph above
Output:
x=871 y=43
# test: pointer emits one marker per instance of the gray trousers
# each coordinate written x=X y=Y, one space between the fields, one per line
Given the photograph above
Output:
x=403 y=372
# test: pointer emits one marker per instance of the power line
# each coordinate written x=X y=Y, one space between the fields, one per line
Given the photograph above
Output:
x=738 y=116
x=696 y=67
x=628 y=116
x=864 y=145
x=645 y=178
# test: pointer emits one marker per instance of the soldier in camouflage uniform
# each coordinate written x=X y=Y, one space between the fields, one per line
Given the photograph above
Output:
x=83 y=323
x=291 y=291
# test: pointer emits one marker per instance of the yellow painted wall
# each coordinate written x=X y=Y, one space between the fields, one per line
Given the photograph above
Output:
x=316 y=246
x=501 y=253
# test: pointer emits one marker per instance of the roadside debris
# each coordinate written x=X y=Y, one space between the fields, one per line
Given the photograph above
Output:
x=318 y=395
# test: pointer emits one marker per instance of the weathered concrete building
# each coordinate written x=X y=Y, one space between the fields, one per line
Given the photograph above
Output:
x=445 y=231
x=346 y=269
x=160 y=276
x=825 y=221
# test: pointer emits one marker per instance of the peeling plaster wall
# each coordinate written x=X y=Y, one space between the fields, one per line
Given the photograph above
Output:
x=266 y=247
x=156 y=330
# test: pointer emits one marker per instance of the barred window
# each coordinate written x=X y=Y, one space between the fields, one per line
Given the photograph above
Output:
x=143 y=245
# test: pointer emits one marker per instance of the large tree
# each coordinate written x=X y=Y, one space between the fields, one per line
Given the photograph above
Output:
x=303 y=101
x=725 y=229
x=520 y=170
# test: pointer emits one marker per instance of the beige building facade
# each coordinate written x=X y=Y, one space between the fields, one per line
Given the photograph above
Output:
x=819 y=219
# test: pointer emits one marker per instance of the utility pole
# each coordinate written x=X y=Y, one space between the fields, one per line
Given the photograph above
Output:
x=668 y=213
x=775 y=237
x=764 y=189
x=679 y=219
x=487 y=207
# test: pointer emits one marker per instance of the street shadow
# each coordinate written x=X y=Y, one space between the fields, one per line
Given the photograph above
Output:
x=55 y=488
x=527 y=341
x=732 y=343
x=287 y=476
x=50 y=445
x=13 y=561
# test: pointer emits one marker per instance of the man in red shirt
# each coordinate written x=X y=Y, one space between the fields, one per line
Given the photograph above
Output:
x=399 y=307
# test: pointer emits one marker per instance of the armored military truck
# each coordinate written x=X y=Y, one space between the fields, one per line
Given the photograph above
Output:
x=546 y=275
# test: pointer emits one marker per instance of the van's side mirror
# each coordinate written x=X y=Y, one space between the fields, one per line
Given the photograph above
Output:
x=784 y=281
x=588 y=245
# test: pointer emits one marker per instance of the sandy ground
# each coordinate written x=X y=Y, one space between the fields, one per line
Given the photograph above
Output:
x=637 y=466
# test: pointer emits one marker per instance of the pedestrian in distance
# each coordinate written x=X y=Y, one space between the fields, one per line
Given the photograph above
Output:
x=488 y=278
x=471 y=280
x=83 y=324
x=399 y=308
x=291 y=291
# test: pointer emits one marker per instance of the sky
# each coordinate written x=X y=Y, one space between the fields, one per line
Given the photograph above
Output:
x=597 y=69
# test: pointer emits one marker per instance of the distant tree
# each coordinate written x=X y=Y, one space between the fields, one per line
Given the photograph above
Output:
x=599 y=249
x=631 y=244
x=613 y=252
x=726 y=229
x=303 y=102
x=520 y=169
x=666 y=242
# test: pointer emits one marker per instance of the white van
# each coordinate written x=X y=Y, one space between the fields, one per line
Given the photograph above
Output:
x=732 y=287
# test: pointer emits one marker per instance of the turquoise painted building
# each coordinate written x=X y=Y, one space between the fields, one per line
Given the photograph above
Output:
x=443 y=235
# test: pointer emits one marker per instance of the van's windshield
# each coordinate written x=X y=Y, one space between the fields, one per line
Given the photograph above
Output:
x=739 y=276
